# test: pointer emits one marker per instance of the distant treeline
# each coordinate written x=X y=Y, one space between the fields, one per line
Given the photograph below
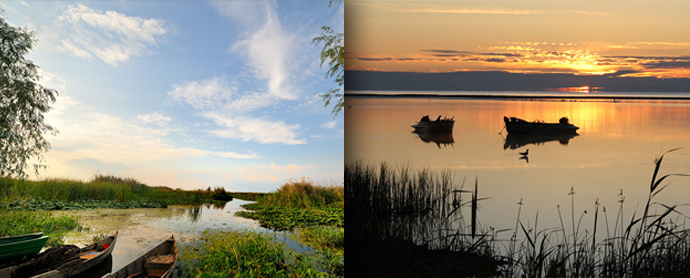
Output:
x=506 y=81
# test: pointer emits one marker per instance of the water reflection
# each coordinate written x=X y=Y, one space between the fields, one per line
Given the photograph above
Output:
x=514 y=141
x=142 y=229
x=194 y=213
x=440 y=138
x=615 y=150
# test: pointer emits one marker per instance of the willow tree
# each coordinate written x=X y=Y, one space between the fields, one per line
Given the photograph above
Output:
x=334 y=52
x=23 y=102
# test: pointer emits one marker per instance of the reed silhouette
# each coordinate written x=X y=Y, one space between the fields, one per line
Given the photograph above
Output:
x=412 y=224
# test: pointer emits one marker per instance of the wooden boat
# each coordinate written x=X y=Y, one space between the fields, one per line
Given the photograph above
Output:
x=439 y=125
x=519 y=126
x=51 y=264
x=17 y=246
x=158 y=262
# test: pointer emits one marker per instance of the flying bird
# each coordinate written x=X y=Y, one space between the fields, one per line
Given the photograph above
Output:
x=525 y=153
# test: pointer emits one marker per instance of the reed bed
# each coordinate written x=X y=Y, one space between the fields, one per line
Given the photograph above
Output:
x=412 y=224
x=305 y=193
x=106 y=188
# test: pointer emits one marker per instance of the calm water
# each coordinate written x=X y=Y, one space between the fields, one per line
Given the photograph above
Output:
x=614 y=151
x=143 y=229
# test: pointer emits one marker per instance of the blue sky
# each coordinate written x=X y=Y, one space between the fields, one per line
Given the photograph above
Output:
x=187 y=94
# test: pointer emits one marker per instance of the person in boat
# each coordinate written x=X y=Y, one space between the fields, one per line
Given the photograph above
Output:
x=425 y=119
x=563 y=121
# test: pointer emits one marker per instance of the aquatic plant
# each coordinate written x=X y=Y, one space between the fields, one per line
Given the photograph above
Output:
x=330 y=243
x=282 y=218
x=15 y=223
x=237 y=253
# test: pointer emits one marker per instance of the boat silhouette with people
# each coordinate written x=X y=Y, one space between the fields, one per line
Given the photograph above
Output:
x=519 y=126
x=439 y=125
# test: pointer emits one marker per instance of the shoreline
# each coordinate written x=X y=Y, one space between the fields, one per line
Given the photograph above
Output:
x=518 y=96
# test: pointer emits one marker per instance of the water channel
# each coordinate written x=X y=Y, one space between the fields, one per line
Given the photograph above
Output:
x=142 y=229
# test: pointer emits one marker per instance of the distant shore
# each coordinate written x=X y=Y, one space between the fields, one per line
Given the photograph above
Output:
x=526 y=96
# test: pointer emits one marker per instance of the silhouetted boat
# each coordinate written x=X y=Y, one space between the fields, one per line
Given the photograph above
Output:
x=64 y=261
x=157 y=262
x=516 y=140
x=519 y=126
x=439 y=125
x=17 y=246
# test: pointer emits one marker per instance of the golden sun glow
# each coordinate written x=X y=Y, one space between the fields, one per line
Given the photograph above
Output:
x=585 y=39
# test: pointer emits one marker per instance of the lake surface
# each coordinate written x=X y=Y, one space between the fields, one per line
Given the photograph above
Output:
x=614 y=150
x=145 y=228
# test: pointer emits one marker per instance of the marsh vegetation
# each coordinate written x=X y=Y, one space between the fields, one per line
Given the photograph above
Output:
x=313 y=212
x=421 y=224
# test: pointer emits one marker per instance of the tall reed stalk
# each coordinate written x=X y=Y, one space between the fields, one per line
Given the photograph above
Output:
x=412 y=224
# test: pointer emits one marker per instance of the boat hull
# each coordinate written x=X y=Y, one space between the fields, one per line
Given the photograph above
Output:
x=17 y=246
x=159 y=261
x=435 y=126
x=87 y=258
x=518 y=126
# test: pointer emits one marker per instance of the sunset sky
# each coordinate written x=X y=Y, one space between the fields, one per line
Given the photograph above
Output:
x=186 y=94
x=631 y=38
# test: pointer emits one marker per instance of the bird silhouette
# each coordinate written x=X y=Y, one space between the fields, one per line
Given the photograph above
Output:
x=525 y=153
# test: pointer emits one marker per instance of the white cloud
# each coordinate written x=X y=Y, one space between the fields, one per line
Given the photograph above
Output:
x=71 y=49
x=268 y=52
x=202 y=94
x=272 y=52
x=259 y=130
x=271 y=173
x=108 y=138
x=239 y=156
x=112 y=37
x=329 y=125
x=216 y=94
x=155 y=118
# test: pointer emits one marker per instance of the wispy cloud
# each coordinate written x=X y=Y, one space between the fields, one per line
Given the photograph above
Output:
x=271 y=173
x=329 y=125
x=497 y=11
x=112 y=37
x=470 y=11
x=540 y=57
x=269 y=50
x=259 y=130
x=239 y=156
x=203 y=94
x=158 y=118
x=686 y=44
x=272 y=57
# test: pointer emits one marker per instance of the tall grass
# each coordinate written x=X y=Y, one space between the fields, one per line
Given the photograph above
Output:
x=412 y=224
x=305 y=193
x=404 y=219
x=105 y=188
x=299 y=203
